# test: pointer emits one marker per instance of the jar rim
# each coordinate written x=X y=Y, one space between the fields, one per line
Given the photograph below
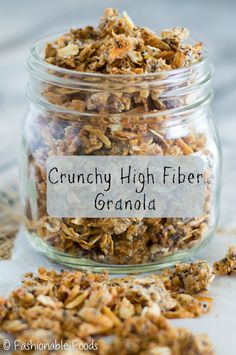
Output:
x=35 y=55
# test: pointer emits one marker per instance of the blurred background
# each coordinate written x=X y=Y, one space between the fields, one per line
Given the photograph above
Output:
x=24 y=21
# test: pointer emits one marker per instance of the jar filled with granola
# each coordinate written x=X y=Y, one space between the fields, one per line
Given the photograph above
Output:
x=121 y=163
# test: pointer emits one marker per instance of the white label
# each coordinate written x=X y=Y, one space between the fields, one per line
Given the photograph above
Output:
x=125 y=186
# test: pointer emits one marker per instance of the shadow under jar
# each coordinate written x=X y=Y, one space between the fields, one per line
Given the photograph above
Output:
x=77 y=114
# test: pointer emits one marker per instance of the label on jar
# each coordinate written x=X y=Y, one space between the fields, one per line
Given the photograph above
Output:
x=125 y=186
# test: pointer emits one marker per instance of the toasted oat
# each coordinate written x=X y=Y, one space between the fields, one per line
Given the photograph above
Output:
x=227 y=265
x=69 y=50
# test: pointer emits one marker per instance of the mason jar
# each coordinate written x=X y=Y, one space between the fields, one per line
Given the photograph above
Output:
x=119 y=172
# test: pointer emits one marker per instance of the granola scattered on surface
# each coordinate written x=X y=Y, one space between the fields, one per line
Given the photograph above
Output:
x=76 y=305
x=115 y=126
x=227 y=265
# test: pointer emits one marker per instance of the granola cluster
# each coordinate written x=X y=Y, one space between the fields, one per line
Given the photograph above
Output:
x=190 y=278
x=227 y=265
x=72 y=305
x=117 y=46
x=105 y=116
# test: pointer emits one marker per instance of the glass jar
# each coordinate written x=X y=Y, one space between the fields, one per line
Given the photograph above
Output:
x=92 y=116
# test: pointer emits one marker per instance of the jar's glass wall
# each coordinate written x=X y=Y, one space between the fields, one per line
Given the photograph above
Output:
x=120 y=243
x=161 y=114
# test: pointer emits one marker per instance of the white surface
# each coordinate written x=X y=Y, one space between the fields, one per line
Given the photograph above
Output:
x=21 y=22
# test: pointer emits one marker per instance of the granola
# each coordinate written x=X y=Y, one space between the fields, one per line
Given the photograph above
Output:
x=191 y=278
x=153 y=335
x=106 y=116
x=73 y=305
x=117 y=46
x=227 y=265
